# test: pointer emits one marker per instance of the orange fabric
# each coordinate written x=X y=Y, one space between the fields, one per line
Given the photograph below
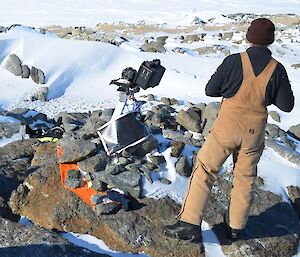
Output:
x=83 y=192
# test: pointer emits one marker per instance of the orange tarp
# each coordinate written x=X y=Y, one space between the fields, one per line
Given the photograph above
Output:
x=83 y=192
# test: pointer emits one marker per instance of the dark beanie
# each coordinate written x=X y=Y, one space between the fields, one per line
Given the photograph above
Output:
x=261 y=32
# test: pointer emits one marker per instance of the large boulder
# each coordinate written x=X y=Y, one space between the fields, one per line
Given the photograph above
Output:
x=37 y=75
x=129 y=231
x=272 y=230
x=19 y=240
x=190 y=119
x=14 y=65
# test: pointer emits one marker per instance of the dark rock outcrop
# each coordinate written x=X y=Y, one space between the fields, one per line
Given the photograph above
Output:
x=130 y=231
x=18 y=240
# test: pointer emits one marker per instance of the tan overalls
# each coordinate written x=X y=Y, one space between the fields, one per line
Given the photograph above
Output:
x=239 y=129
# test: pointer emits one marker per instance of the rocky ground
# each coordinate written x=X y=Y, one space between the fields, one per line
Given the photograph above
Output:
x=31 y=184
x=29 y=170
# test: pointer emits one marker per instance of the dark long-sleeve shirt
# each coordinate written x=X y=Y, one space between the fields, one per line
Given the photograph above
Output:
x=228 y=78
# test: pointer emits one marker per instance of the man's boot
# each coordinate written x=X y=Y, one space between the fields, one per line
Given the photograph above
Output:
x=233 y=234
x=184 y=231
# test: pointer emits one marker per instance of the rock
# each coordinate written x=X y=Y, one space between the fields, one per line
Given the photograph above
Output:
x=34 y=241
x=183 y=167
x=106 y=114
x=209 y=115
x=176 y=148
x=99 y=185
x=284 y=139
x=146 y=147
x=272 y=130
x=295 y=131
x=295 y=65
x=190 y=119
x=8 y=129
x=157 y=159
x=14 y=65
x=5 y=212
x=165 y=181
x=126 y=231
x=74 y=174
x=286 y=152
x=180 y=137
x=113 y=169
x=95 y=163
x=151 y=166
x=107 y=209
x=294 y=194
x=272 y=228
x=161 y=40
x=72 y=183
x=25 y=72
x=206 y=50
x=191 y=38
x=75 y=150
x=150 y=97
x=165 y=100
x=227 y=36
x=275 y=116
x=155 y=130
x=37 y=75
x=92 y=124
x=154 y=47
x=41 y=94
x=126 y=181
x=72 y=121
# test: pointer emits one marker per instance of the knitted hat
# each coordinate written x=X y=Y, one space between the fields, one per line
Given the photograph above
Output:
x=261 y=32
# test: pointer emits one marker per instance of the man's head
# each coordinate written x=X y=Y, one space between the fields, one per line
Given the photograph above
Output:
x=261 y=32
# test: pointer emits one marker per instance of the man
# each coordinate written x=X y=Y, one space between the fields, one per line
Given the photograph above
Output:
x=248 y=82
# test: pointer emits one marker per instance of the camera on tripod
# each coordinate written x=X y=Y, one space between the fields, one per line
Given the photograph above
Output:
x=148 y=75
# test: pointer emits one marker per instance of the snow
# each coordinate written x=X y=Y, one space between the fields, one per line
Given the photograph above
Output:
x=78 y=74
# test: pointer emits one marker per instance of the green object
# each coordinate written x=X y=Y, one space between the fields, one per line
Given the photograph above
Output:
x=48 y=139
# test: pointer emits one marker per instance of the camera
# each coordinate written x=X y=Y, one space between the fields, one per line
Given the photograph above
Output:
x=148 y=75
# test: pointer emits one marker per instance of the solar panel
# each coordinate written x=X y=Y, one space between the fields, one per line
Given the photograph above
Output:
x=124 y=132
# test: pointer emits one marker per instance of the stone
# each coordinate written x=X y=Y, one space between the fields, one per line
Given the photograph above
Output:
x=8 y=129
x=295 y=65
x=176 y=148
x=155 y=130
x=157 y=159
x=37 y=75
x=34 y=241
x=227 y=36
x=107 y=208
x=153 y=47
x=14 y=65
x=75 y=150
x=41 y=94
x=295 y=131
x=275 y=116
x=190 y=120
x=180 y=137
x=113 y=169
x=151 y=166
x=150 y=97
x=174 y=101
x=183 y=167
x=99 y=185
x=272 y=130
x=25 y=72
x=146 y=147
x=192 y=38
x=206 y=50
x=106 y=114
x=161 y=40
x=286 y=152
x=95 y=163
x=165 y=181
x=72 y=182
x=72 y=121
x=294 y=194
x=96 y=199
x=165 y=100
x=74 y=174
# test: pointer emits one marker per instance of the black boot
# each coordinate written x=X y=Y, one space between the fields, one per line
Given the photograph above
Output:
x=184 y=231
x=233 y=234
